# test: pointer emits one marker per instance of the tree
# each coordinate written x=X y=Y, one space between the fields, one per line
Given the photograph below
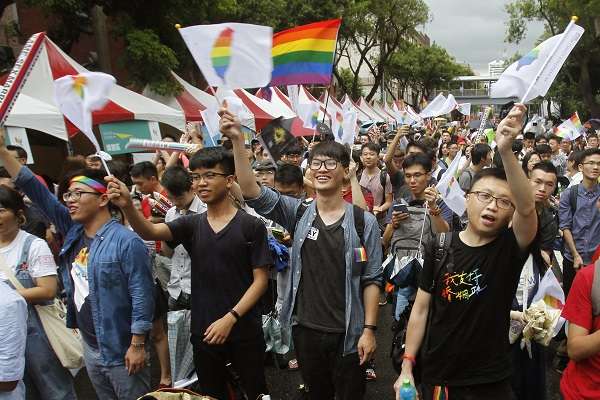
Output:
x=346 y=80
x=582 y=68
x=373 y=31
x=424 y=69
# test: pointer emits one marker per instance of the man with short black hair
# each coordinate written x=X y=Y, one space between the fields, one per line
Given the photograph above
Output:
x=178 y=183
x=558 y=158
x=528 y=143
x=468 y=288
x=372 y=178
x=580 y=217
x=265 y=172
x=289 y=181
x=230 y=254
x=332 y=290
x=292 y=155
x=481 y=157
x=544 y=151
x=145 y=177
x=591 y=141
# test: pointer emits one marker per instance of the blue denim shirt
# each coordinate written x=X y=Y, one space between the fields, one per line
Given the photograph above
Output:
x=584 y=224
x=119 y=274
x=282 y=210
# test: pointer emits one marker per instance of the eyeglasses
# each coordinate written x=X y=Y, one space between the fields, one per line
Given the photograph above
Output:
x=592 y=163
x=330 y=164
x=487 y=198
x=207 y=176
x=76 y=195
x=416 y=175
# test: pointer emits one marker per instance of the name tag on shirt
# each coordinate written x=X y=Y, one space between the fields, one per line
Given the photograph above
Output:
x=313 y=233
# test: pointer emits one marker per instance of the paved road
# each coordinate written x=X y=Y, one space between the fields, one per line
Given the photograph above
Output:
x=284 y=383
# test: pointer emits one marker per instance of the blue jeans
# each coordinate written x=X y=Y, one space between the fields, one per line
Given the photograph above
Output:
x=115 y=383
x=402 y=300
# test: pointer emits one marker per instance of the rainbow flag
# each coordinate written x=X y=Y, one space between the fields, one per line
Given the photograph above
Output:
x=304 y=54
x=221 y=52
x=570 y=128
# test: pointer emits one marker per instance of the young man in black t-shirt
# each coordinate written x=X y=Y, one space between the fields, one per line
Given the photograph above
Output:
x=230 y=257
x=460 y=318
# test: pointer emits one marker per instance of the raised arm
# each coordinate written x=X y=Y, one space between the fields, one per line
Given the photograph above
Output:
x=358 y=198
x=525 y=217
x=35 y=190
x=230 y=127
x=389 y=155
x=119 y=196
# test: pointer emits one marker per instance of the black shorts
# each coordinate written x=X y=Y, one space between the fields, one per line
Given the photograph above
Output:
x=161 y=303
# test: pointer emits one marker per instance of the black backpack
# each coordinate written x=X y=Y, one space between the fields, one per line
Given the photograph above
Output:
x=382 y=181
x=443 y=257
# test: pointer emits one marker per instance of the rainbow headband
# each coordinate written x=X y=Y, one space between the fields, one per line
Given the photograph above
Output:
x=97 y=186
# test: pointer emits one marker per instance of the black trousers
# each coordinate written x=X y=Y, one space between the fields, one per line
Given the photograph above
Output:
x=488 y=391
x=247 y=361
x=529 y=374
x=327 y=373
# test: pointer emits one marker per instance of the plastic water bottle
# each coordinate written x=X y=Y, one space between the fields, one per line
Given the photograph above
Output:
x=407 y=391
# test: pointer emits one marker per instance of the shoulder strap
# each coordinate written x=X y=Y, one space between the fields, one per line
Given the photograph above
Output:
x=595 y=294
x=359 y=223
x=26 y=248
x=383 y=180
x=302 y=207
x=442 y=253
x=573 y=198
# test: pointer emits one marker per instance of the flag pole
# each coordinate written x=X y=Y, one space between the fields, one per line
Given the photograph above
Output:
x=547 y=60
x=326 y=102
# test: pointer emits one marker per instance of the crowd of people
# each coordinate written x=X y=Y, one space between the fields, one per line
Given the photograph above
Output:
x=232 y=235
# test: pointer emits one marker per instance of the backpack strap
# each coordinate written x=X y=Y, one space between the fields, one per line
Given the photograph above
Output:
x=359 y=223
x=442 y=255
x=573 y=198
x=595 y=294
x=302 y=207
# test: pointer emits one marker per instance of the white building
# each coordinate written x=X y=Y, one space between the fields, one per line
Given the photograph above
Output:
x=496 y=68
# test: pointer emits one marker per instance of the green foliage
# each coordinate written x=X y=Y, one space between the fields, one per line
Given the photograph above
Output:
x=425 y=68
x=150 y=61
x=345 y=80
x=578 y=84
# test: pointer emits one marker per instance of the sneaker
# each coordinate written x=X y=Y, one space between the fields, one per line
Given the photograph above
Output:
x=370 y=374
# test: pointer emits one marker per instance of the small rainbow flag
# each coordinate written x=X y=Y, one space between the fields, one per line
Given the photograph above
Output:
x=570 y=128
x=220 y=54
x=305 y=54
x=360 y=254
x=553 y=302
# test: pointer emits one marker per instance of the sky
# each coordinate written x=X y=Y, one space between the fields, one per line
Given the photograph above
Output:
x=473 y=31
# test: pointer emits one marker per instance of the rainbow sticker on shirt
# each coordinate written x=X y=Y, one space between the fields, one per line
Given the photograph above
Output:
x=360 y=254
x=78 y=84
x=462 y=286
x=220 y=54
x=528 y=58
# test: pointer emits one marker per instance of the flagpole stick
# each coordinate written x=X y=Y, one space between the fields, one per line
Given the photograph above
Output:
x=326 y=102
x=547 y=60
x=105 y=165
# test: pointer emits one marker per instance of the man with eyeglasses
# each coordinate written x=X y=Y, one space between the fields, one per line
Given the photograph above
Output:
x=265 y=173
x=457 y=332
x=230 y=258
x=580 y=218
x=107 y=277
x=332 y=291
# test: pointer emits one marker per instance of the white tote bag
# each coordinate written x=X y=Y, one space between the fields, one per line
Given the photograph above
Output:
x=65 y=342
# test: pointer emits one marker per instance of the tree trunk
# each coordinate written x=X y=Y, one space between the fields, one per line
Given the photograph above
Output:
x=101 y=36
x=585 y=85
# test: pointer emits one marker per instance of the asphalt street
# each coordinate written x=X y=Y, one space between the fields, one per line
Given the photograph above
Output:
x=284 y=383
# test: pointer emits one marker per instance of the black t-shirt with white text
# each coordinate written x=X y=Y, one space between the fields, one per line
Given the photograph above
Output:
x=467 y=340
x=321 y=300
x=222 y=268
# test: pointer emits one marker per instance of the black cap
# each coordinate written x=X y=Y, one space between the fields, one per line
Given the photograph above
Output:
x=265 y=166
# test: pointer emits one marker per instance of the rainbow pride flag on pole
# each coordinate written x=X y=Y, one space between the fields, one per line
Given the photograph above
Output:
x=304 y=54
x=571 y=128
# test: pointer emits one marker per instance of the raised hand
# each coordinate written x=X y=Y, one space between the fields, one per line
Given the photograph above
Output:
x=510 y=127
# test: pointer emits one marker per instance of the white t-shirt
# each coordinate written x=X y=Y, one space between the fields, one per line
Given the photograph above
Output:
x=40 y=261
x=13 y=336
